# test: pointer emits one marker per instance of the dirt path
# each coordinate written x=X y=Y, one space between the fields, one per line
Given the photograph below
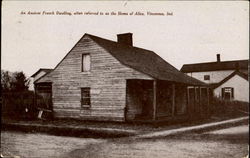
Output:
x=222 y=145
x=230 y=142
x=29 y=145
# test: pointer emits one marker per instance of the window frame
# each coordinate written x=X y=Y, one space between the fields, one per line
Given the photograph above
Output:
x=229 y=90
x=82 y=62
x=207 y=77
x=84 y=98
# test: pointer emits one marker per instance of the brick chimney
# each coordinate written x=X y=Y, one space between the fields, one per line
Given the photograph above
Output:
x=237 y=66
x=218 y=57
x=125 y=38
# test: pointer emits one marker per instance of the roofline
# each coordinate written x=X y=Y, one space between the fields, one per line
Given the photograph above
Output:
x=40 y=78
x=223 y=62
x=119 y=43
x=86 y=34
x=118 y=59
x=201 y=83
x=63 y=57
x=236 y=72
x=40 y=70
x=217 y=62
x=210 y=70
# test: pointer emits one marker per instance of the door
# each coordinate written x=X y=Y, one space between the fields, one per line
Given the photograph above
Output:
x=44 y=96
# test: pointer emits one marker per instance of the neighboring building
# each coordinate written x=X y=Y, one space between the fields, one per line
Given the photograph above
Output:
x=36 y=76
x=41 y=72
x=233 y=87
x=102 y=80
x=228 y=79
x=44 y=98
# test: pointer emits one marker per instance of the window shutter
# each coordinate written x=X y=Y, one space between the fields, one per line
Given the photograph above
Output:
x=232 y=91
x=222 y=93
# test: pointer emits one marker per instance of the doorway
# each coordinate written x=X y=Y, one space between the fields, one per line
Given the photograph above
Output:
x=139 y=100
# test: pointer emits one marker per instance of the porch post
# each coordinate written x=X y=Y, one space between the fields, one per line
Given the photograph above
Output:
x=35 y=96
x=208 y=97
x=154 y=99
x=188 y=101
x=195 y=101
x=200 y=108
x=208 y=102
x=173 y=99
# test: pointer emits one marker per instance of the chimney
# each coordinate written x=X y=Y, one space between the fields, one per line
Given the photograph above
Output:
x=237 y=66
x=218 y=57
x=125 y=38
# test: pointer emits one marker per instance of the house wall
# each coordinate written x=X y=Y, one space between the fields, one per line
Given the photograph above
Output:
x=215 y=76
x=240 y=85
x=107 y=80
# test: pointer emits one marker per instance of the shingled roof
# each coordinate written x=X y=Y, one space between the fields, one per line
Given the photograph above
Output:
x=144 y=61
x=215 y=66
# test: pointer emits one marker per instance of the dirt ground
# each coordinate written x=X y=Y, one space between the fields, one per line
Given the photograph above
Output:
x=224 y=143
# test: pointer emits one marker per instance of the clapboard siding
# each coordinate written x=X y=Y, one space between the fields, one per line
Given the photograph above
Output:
x=107 y=80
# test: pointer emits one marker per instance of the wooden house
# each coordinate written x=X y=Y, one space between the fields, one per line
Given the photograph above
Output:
x=100 y=79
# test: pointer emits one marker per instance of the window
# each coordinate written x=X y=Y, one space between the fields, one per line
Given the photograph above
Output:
x=227 y=93
x=85 y=62
x=85 y=97
x=206 y=77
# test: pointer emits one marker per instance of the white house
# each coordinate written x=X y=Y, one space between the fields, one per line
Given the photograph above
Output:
x=235 y=86
x=228 y=79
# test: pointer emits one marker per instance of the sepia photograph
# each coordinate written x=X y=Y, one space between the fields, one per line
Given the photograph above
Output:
x=124 y=79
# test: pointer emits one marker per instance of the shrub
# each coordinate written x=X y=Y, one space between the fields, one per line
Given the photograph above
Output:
x=18 y=105
x=227 y=108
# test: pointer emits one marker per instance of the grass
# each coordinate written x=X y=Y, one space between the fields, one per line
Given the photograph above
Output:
x=224 y=109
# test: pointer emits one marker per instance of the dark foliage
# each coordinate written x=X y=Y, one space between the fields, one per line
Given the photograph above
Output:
x=20 y=83
x=17 y=100
x=14 y=82
x=228 y=109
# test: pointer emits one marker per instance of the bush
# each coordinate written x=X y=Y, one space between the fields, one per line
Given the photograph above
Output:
x=226 y=108
x=18 y=105
x=17 y=100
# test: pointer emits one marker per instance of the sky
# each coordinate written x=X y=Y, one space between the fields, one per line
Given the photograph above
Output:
x=195 y=32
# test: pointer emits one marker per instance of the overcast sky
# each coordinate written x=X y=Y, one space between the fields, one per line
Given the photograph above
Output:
x=195 y=33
